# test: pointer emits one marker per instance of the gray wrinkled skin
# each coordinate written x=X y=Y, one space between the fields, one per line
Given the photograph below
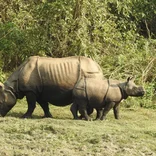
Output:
x=103 y=95
x=45 y=80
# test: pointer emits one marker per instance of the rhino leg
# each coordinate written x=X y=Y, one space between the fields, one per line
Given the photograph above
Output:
x=89 y=111
x=74 y=110
x=83 y=109
x=45 y=108
x=31 y=100
x=99 y=113
x=106 y=109
x=116 y=111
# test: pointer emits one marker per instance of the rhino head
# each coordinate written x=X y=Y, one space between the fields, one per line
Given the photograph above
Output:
x=131 y=89
x=7 y=100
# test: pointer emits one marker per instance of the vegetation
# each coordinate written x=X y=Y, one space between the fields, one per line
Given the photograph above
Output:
x=119 y=35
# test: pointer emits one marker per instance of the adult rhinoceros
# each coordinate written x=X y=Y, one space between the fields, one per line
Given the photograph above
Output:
x=45 y=80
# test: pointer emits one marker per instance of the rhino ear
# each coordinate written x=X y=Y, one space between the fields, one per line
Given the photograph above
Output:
x=128 y=79
x=131 y=78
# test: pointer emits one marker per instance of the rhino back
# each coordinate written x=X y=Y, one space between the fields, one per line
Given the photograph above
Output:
x=62 y=73
x=65 y=72
x=89 y=66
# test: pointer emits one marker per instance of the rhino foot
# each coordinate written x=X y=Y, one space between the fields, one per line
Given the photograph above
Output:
x=97 y=119
x=47 y=116
x=89 y=119
x=25 y=116
x=83 y=118
x=103 y=118
x=77 y=117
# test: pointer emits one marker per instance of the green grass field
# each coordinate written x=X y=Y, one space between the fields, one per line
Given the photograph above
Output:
x=133 y=135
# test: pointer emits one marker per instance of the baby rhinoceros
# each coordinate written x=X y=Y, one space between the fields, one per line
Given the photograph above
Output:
x=103 y=95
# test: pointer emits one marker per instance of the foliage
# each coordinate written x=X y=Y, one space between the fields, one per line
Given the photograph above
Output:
x=119 y=35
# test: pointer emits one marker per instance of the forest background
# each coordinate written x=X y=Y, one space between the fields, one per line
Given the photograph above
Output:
x=119 y=35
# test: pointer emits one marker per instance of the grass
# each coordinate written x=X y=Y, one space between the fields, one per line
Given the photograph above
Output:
x=134 y=134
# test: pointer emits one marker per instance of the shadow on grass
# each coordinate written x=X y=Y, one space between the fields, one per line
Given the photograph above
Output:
x=34 y=116
x=20 y=114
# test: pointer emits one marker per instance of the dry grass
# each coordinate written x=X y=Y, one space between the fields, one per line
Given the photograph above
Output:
x=134 y=134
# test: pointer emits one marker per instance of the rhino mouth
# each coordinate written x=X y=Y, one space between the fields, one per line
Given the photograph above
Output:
x=2 y=113
x=4 y=109
x=142 y=93
x=139 y=93
x=136 y=92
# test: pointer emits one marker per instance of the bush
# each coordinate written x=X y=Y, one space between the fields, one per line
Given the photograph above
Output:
x=119 y=35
